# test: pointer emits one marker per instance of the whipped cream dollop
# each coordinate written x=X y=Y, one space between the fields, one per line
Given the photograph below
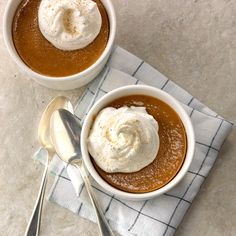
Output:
x=124 y=139
x=69 y=24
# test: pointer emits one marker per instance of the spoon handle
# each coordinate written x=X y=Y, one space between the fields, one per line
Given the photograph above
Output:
x=34 y=222
x=104 y=227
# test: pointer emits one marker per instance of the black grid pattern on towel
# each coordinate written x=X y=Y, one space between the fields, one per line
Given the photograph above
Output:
x=113 y=198
x=195 y=174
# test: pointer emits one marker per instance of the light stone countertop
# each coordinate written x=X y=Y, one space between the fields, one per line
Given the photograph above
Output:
x=192 y=42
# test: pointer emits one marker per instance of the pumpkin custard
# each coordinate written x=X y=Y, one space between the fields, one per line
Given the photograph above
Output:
x=45 y=58
x=121 y=133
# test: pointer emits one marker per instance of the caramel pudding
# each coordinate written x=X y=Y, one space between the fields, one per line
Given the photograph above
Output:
x=171 y=149
x=42 y=56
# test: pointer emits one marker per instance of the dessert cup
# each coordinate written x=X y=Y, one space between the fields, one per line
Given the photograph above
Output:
x=66 y=82
x=137 y=90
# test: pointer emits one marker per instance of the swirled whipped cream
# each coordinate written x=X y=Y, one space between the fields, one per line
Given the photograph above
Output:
x=124 y=139
x=69 y=24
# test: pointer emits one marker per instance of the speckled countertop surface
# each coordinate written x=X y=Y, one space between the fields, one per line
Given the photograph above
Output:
x=193 y=42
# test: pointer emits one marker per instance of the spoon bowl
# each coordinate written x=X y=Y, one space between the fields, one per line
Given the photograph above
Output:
x=44 y=124
x=65 y=135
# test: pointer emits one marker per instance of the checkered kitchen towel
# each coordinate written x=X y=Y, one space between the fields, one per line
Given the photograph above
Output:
x=162 y=215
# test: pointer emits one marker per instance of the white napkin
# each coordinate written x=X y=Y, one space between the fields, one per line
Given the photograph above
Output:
x=162 y=215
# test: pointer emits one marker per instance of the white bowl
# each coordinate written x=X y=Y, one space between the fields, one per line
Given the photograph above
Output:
x=140 y=90
x=66 y=82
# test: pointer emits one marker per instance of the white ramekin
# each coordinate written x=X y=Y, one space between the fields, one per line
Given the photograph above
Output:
x=60 y=83
x=140 y=90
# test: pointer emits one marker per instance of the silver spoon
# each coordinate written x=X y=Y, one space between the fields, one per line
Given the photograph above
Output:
x=44 y=138
x=65 y=132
